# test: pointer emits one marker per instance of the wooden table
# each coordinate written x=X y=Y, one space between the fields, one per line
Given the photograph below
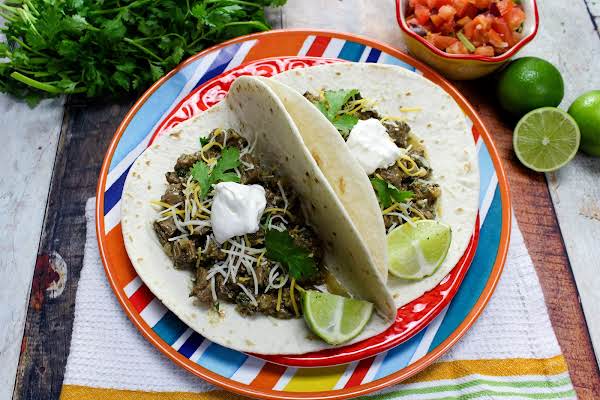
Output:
x=52 y=155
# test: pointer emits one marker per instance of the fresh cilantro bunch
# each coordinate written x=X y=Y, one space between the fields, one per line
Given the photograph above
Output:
x=221 y=172
x=332 y=103
x=282 y=248
x=107 y=47
x=388 y=193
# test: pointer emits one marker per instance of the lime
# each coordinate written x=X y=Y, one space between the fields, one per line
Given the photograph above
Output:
x=546 y=139
x=529 y=83
x=586 y=111
x=417 y=250
x=333 y=318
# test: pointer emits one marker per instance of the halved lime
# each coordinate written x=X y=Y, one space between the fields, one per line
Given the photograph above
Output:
x=333 y=318
x=546 y=139
x=417 y=250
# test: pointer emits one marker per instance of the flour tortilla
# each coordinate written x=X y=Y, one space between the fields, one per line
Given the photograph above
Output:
x=256 y=113
x=441 y=125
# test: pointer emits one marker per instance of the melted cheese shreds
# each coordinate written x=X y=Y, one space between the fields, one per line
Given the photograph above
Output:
x=250 y=296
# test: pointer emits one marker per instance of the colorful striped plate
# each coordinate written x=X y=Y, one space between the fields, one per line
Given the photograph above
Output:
x=198 y=83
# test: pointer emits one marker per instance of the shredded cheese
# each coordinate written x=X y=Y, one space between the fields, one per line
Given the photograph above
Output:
x=279 y=299
x=410 y=109
x=252 y=299
x=294 y=306
x=271 y=210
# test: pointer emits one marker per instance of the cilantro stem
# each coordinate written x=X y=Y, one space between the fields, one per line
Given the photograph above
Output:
x=36 y=84
x=144 y=49
x=43 y=86
x=240 y=2
x=117 y=9
x=256 y=24
x=25 y=46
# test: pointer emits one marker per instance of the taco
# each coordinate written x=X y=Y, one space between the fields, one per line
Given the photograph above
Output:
x=407 y=135
x=228 y=220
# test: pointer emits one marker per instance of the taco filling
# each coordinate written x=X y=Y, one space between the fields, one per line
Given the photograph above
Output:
x=392 y=156
x=240 y=227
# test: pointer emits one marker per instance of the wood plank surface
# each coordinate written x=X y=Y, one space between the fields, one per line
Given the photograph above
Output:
x=85 y=135
x=27 y=157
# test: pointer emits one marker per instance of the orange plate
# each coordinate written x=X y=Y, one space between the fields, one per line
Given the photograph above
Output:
x=246 y=374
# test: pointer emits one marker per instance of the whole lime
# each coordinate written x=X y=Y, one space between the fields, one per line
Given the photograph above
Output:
x=529 y=83
x=586 y=111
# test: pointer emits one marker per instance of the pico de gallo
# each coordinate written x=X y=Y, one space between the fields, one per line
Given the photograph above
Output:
x=480 y=27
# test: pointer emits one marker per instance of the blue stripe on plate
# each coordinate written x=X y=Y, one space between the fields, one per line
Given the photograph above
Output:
x=373 y=55
x=388 y=59
x=113 y=193
x=191 y=345
x=400 y=356
x=219 y=65
x=221 y=360
x=486 y=170
x=478 y=274
x=151 y=112
x=169 y=328
x=351 y=51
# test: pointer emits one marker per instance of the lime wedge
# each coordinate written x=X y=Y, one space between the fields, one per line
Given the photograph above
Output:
x=546 y=139
x=417 y=250
x=333 y=318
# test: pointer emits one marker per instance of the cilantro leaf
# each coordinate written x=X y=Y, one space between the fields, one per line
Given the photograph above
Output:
x=230 y=159
x=333 y=101
x=345 y=123
x=281 y=247
x=204 y=141
x=200 y=173
x=381 y=189
x=386 y=193
x=336 y=99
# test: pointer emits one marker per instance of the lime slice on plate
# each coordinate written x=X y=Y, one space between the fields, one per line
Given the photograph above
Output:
x=335 y=319
x=417 y=250
x=546 y=139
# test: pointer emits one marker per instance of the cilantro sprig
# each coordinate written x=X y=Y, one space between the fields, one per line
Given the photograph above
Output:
x=221 y=172
x=282 y=248
x=332 y=103
x=386 y=193
x=107 y=47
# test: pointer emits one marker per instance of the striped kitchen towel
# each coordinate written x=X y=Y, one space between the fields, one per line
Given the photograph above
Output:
x=511 y=352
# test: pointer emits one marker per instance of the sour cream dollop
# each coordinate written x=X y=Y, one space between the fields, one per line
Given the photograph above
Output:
x=236 y=209
x=371 y=145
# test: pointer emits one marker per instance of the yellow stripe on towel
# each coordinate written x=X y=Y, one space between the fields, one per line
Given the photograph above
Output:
x=505 y=367
x=75 y=392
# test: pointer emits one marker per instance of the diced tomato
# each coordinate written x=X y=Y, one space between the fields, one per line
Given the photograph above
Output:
x=421 y=13
x=460 y=6
x=515 y=18
x=502 y=28
x=469 y=29
x=504 y=6
x=481 y=4
x=448 y=27
x=441 y=41
x=496 y=40
x=484 y=51
x=463 y=21
x=457 y=48
x=471 y=10
x=447 y=12
x=440 y=3
x=437 y=21
x=483 y=22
